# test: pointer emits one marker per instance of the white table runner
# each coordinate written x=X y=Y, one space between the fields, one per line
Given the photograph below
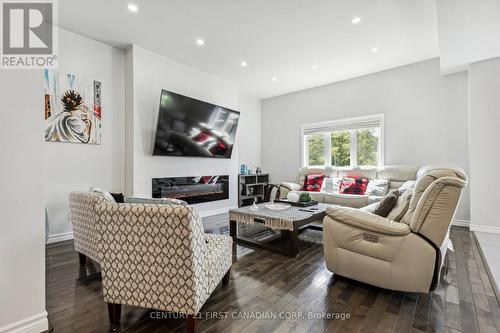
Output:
x=274 y=219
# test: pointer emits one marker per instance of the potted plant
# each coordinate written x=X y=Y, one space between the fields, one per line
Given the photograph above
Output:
x=305 y=197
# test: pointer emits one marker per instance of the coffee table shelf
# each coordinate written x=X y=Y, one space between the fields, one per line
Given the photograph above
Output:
x=289 y=222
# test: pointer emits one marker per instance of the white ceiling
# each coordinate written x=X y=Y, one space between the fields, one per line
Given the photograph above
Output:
x=278 y=38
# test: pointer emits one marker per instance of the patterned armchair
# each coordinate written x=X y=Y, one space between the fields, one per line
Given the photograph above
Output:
x=158 y=257
x=83 y=218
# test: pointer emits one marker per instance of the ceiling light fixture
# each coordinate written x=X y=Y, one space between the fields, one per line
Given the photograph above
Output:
x=356 y=20
x=133 y=8
x=200 y=42
x=274 y=78
x=374 y=50
x=243 y=64
x=314 y=67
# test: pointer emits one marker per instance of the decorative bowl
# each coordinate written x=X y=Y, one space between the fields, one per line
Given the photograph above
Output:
x=292 y=196
x=275 y=206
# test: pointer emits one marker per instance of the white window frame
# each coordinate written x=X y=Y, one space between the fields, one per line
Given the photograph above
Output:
x=350 y=125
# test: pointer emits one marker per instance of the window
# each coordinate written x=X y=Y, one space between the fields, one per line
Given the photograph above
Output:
x=341 y=148
x=316 y=144
x=343 y=143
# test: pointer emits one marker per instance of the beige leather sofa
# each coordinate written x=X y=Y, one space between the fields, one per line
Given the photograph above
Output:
x=405 y=255
x=395 y=174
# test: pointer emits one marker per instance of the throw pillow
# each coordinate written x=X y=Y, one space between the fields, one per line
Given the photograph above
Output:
x=159 y=201
x=313 y=183
x=331 y=185
x=377 y=187
x=406 y=185
x=118 y=197
x=401 y=206
x=105 y=194
x=353 y=186
x=387 y=204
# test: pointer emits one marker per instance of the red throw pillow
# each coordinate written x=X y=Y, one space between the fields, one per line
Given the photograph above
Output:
x=353 y=186
x=312 y=183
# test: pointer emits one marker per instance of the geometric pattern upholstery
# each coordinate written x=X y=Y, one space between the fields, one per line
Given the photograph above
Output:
x=158 y=256
x=83 y=218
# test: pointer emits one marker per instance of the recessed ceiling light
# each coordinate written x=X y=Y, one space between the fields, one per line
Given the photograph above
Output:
x=243 y=64
x=374 y=50
x=200 y=42
x=356 y=20
x=133 y=8
x=274 y=78
x=314 y=67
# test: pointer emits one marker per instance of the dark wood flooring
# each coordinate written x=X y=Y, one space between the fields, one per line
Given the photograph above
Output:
x=266 y=284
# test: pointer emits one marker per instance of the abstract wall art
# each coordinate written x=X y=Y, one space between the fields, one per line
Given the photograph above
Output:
x=72 y=108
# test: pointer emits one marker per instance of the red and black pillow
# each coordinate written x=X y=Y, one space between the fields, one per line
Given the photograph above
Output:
x=312 y=183
x=353 y=186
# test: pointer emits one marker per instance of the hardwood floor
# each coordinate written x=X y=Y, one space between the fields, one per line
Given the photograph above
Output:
x=267 y=284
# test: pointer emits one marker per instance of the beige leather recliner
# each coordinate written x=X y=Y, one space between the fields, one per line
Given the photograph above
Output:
x=406 y=255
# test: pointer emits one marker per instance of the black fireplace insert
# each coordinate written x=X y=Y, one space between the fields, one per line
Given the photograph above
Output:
x=192 y=189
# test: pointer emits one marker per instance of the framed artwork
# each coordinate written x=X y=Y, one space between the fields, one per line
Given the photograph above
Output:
x=72 y=108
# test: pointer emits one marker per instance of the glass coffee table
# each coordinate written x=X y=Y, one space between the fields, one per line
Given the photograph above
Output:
x=288 y=221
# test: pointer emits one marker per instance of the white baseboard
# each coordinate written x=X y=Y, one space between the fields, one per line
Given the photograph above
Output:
x=485 y=228
x=460 y=223
x=216 y=211
x=60 y=237
x=34 y=324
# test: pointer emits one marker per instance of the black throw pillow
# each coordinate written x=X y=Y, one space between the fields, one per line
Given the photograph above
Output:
x=118 y=197
x=387 y=204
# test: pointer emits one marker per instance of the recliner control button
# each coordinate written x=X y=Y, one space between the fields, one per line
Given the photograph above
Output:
x=370 y=238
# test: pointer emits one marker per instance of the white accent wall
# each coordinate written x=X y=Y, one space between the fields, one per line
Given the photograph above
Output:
x=22 y=243
x=425 y=118
x=249 y=132
x=76 y=167
x=124 y=161
x=149 y=73
x=484 y=117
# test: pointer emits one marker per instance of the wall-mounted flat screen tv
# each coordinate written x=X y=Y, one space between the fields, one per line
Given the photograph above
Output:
x=190 y=127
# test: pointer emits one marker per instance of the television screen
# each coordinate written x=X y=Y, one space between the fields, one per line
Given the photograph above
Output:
x=190 y=127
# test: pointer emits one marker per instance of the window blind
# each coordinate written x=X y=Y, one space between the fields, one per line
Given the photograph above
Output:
x=343 y=125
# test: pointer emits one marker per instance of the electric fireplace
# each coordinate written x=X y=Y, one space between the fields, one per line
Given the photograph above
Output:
x=193 y=190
